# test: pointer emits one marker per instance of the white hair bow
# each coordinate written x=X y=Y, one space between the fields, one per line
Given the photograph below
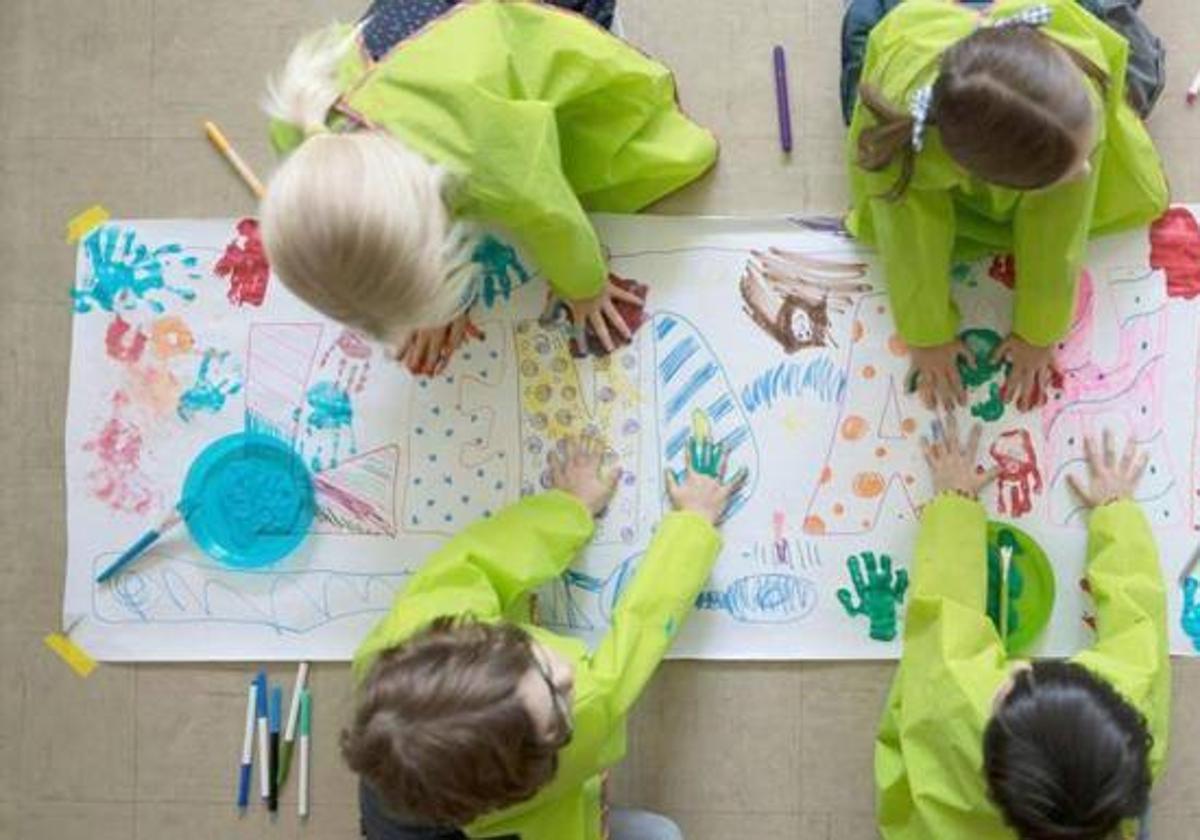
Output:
x=1038 y=15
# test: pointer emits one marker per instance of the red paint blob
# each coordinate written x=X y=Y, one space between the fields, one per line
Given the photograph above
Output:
x=1004 y=270
x=244 y=264
x=124 y=342
x=1175 y=248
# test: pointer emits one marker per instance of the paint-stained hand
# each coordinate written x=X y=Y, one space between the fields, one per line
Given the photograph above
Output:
x=1111 y=479
x=577 y=467
x=955 y=466
x=1032 y=372
x=935 y=374
x=701 y=492
x=601 y=312
x=426 y=352
x=879 y=593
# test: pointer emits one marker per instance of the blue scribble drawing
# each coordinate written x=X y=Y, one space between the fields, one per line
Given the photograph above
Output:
x=124 y=273
x=219 y=377
x=501 y=270
x=164 y=589
x=774 y=598
x=819 y=376
x=330 y=417
x=689 y=377
x=1190 y=619
x=580 y=601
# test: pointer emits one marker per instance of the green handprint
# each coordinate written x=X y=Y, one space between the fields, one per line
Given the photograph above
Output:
x=879 y=594
x=1016 y=582
x=502 y=271
x=981 y=370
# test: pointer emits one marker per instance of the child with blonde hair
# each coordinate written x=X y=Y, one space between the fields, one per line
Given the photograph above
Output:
x=508 y=114
x=992 y=130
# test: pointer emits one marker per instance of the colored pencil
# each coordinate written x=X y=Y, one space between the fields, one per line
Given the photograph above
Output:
x=289 y=732
x=781 y=99
x=235 y=160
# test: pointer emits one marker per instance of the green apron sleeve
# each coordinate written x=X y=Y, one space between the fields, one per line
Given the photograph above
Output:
x=915 y=237
x=651 y=611
x=525 y=191
x=930 y=740
x=484 y=569
x=1050 y=235
x=1131 y=649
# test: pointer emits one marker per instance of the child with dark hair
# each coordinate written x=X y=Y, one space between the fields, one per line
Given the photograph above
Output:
x=997 y=129
x=975 y=745
x=473 y=721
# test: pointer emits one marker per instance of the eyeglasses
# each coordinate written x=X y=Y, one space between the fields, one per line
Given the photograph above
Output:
x=562 y=706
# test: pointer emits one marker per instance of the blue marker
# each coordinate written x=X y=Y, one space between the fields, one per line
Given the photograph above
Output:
x=264 y=743
x=276 y=715
x=243 y=794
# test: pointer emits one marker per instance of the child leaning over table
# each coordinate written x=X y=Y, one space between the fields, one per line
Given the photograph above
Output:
x=975 y=745
x=471 y=721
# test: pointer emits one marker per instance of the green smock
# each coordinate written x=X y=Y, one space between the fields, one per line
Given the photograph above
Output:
x=929 y=751
x=948 y=214
x=543 y=115
x=488 y=571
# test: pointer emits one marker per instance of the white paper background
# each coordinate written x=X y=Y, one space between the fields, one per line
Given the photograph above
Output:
x=424 y=459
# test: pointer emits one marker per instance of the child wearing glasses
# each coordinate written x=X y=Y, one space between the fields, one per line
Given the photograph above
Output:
x=471 y=720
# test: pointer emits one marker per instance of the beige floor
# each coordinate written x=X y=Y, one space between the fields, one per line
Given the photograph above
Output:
x=101 y=101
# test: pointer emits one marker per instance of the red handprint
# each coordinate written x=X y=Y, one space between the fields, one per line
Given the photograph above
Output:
x=1019 y=477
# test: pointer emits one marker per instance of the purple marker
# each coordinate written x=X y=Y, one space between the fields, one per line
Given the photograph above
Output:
x=781 y=100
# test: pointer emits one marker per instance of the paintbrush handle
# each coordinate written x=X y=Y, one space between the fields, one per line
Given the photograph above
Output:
x=144 y=542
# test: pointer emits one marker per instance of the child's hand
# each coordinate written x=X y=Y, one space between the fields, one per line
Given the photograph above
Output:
x=702 y=493
x=953 y=465
x=428 y=351
x=577 y=467
x=935 y=375
x=601 y=311
x=1032 y=374
x=1111 y=480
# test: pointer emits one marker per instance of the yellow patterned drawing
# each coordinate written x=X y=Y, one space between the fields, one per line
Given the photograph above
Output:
x=562 y=396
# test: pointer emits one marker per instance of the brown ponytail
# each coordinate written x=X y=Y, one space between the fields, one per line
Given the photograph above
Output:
x=1008 y=106
x=891 y=136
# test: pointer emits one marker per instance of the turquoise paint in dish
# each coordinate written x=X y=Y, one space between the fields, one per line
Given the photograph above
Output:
x=248 y=500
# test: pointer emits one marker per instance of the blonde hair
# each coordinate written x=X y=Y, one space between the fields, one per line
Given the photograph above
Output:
x=356 y=224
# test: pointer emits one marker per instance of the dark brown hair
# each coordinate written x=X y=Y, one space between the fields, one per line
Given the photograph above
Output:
x=440 y=732
x=1009 y=105
x=1065 y=756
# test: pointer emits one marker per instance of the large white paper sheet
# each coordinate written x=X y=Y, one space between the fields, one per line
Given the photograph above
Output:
x=180 y=337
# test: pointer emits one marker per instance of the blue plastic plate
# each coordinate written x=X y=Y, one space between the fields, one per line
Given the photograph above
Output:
x=248 y=500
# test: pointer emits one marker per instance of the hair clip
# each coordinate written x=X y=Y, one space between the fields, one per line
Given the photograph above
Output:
x=1038 y=15
x=918 y=106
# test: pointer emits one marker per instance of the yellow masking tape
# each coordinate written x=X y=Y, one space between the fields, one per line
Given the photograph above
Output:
x=71 y=653
x=86 y=222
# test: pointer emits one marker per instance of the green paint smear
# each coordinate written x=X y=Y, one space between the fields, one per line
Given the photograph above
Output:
x=1016 y=581
x=981 y=371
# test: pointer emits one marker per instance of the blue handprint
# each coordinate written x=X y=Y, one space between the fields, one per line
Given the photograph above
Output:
x=125 y=272
x=219 y=376
x=1191 y=611
x=502 y=271
x=879 y=593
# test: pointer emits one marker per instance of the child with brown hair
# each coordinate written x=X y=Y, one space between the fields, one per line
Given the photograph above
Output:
x=402 y=146
x=1006 y=129
x=471 y=720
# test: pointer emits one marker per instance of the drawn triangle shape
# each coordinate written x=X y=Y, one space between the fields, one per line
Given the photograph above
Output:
x=358 y=496
x=890 y=423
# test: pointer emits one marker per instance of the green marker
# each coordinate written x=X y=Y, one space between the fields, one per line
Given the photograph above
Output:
x=289 y=733
x=305 y=738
